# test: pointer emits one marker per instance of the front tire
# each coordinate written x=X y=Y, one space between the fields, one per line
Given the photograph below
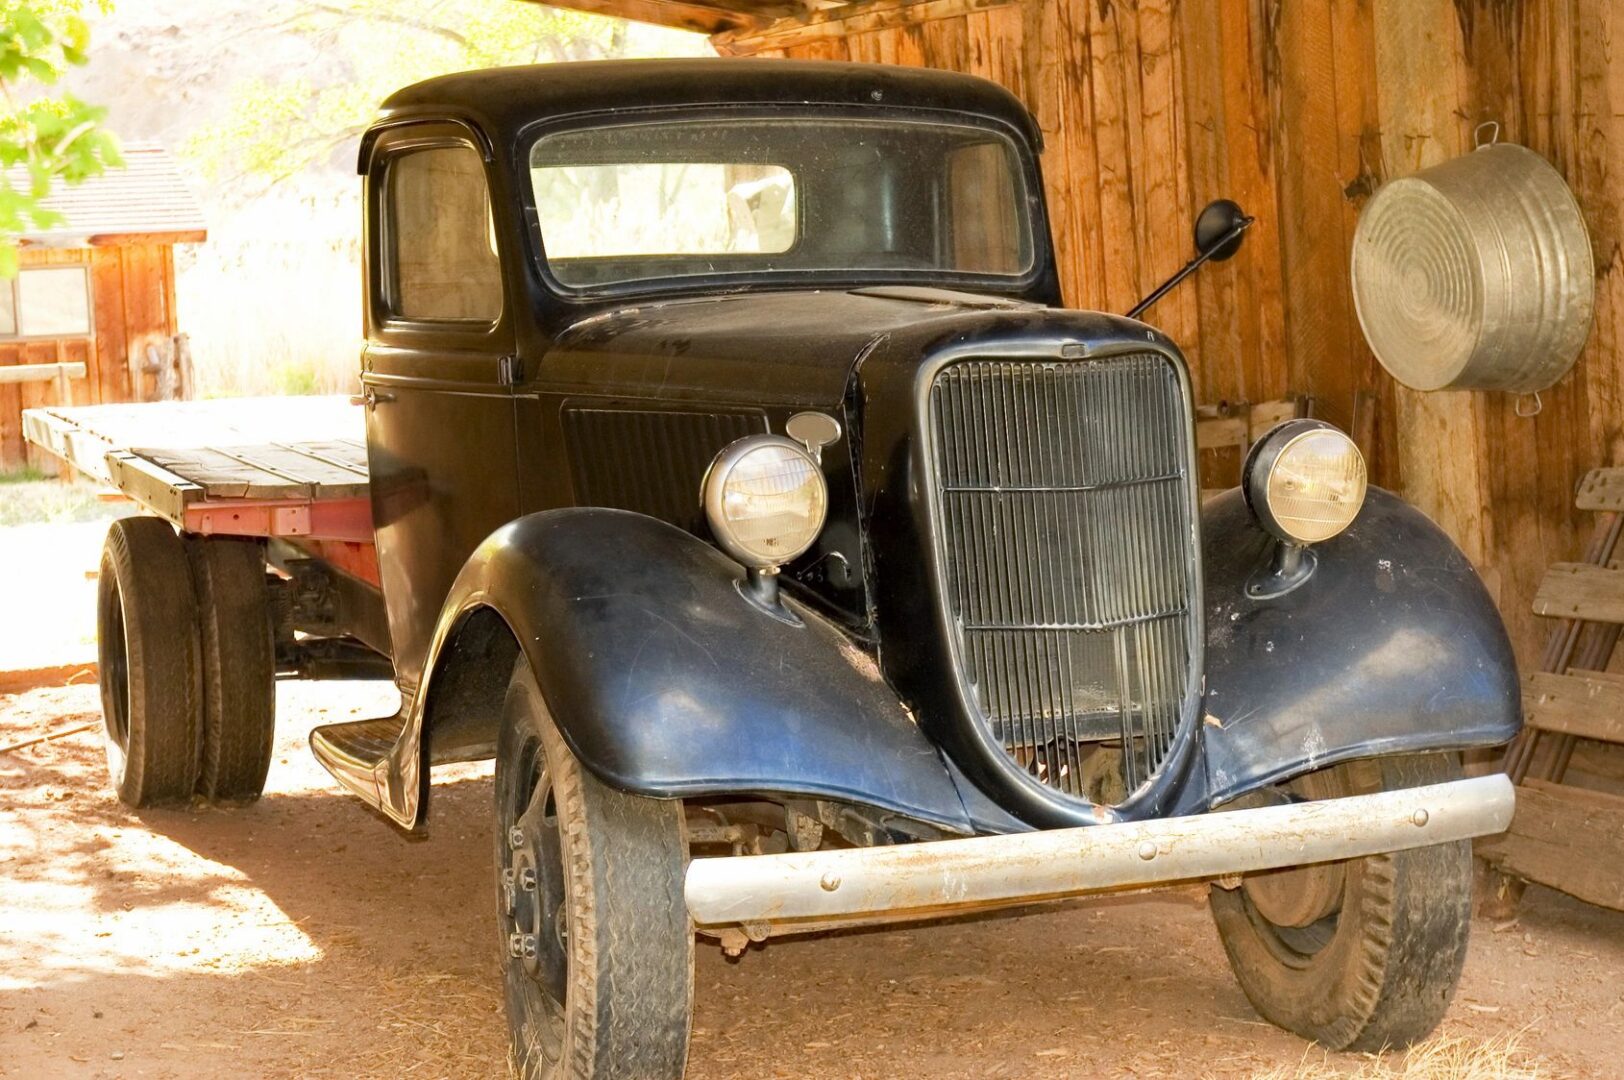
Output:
x=1359 y=955
x=596 y=943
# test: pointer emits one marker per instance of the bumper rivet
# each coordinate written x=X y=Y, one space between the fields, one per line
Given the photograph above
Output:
x=1420 y=817
x=515 y=837
x=830 y=882
x=522 y=946
x=1147 y=850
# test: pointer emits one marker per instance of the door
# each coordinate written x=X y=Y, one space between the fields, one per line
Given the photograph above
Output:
x=435 y=375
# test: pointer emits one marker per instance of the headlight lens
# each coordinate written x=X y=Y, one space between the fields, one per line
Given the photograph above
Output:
x=766 y=500
x=1305 y=481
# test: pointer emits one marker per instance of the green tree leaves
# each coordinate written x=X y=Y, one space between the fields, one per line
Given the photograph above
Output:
x=44 y=138
x=276 y=129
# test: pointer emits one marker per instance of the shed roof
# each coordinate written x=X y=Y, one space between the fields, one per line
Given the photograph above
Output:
x=146 y=198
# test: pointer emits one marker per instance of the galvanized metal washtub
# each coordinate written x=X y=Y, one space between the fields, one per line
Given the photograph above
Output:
x=1475 y=274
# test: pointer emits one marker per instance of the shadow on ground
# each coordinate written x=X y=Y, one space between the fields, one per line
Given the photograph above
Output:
x=302 y=935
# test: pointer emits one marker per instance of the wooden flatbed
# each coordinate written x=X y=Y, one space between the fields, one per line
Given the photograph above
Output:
x=289 y=467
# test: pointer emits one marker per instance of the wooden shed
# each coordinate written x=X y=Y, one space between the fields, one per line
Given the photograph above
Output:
x=91 y=313
x=1300 y=111
x=1151 y=108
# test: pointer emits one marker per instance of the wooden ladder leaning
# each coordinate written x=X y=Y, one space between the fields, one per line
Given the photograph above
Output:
x=1570 y=838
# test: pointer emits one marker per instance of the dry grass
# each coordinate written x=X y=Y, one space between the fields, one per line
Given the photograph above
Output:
x=1443 y=1057
x=28 y=498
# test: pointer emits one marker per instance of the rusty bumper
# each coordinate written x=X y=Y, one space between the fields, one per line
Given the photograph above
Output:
x=802 y=890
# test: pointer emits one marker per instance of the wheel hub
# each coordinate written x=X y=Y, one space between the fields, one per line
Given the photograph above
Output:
x=1297 y=896
x=533 y=894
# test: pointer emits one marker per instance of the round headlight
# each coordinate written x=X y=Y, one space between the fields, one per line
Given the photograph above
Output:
x=765 y=499
x=1305 y=481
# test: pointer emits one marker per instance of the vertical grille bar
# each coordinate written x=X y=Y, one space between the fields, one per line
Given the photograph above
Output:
x=1063 y=494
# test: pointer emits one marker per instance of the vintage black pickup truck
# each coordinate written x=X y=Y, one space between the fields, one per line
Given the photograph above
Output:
x=733 y=476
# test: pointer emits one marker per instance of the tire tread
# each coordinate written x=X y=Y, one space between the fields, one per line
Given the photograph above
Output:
x=238 y=665
x=145 y=561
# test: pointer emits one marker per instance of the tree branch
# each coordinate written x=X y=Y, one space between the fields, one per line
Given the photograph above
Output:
x=390 y=17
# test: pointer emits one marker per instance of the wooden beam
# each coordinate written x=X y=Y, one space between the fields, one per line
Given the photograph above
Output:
x=680 y=14
x=1587 y=704
x=23 y=373
x=187 y=236
x=1568 y=838
x=1602 y=489
x=843 y=22
x=1581 y=591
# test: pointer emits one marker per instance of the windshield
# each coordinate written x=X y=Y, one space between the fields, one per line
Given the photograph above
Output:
x=798 y=196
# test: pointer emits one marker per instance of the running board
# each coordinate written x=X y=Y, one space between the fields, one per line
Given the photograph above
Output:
x=360 y=755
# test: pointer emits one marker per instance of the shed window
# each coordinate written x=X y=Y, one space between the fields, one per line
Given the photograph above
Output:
x=46 y=302
x=442 y=248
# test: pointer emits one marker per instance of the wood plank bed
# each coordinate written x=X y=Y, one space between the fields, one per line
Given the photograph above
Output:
x=291 y=467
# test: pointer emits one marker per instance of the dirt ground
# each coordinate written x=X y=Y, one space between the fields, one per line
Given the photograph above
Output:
x=302 y=936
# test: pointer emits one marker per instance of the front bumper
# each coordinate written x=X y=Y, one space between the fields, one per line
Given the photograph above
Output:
x=807 y=890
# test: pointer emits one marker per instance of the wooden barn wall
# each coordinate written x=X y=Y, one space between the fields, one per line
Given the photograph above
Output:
x=132 y=291
x=1298 y=111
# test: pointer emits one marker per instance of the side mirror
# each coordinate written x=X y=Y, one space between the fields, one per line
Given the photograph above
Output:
x=1219 y=229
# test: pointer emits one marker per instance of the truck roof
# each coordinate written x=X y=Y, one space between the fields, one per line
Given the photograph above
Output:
x=503 y=100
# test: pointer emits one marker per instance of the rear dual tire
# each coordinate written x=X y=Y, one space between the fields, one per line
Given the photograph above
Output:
x=186 y=665
x=238 y=665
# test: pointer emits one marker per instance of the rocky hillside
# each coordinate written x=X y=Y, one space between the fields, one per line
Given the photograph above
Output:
x=272 y=299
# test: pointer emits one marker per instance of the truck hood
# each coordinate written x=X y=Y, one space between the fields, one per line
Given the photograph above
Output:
x=766 y=348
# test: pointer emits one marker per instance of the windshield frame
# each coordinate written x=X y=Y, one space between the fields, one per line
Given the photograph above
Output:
x=1026 y=173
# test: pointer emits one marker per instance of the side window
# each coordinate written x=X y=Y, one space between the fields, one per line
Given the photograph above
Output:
x=441 y=242
x=986 y=232
x=49 y=301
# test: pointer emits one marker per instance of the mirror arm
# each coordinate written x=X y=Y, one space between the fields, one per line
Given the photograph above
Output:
x=1190 y=267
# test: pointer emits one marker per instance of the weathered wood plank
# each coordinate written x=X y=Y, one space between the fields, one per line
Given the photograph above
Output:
x=843 y=22
x=711 y=18
x=1220 y=431
x=221 y=422
x=1581 y=591
x=1568 y=838
x=47 y=372
x=262 y=448
x=1602 y=489
x=1419 y=56
x=1113 y=42
x=257 y=472
x=1588 y=704
x=151 y=485
x=1161 y=189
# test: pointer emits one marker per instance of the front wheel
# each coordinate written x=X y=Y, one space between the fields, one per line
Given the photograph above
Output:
x=1363 y=954
x=596 y=943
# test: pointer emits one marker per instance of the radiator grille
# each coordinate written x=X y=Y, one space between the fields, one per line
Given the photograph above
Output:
x=1062 y=491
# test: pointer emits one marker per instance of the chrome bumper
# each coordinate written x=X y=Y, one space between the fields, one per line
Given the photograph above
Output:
x=802 y=890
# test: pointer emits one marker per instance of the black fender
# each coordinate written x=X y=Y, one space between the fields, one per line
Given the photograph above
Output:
x=1392 y=645
x=666 y=682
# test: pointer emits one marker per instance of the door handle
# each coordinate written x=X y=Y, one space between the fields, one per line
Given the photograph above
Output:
x=371 y=398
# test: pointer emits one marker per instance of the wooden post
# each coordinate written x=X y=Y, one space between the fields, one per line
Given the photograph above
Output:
x=183 y=366
x=1441 y=435
x=64 y=394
